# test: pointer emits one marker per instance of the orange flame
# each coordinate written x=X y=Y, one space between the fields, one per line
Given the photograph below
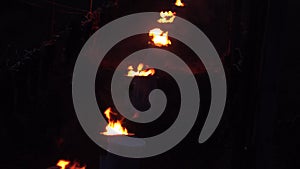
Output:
x=62 y=164
x=179 y=3
x=114 y=127
x=140 y=71
x=159 y=38
x=166 y=17
x=76 y=165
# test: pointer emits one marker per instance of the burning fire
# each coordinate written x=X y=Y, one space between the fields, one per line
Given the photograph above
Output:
x=140 y=71
x=166 y=17
x=179 y=3
x=114 y=127
x=159 y=38
x=63 y=164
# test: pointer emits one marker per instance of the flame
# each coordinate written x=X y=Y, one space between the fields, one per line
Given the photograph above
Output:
x=114 y=127
x=159 y=38
x=62 y=164
x=179 y=3
x=76 y=165
x=166 y=17
x=140 y=71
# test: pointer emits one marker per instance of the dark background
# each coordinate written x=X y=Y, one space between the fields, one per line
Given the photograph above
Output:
x=257 y=40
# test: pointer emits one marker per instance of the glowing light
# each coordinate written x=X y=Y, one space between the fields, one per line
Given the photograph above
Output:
x=179 y=3
x=114 y=127
x=140 y=71
x=159 y=38
x=166 y=17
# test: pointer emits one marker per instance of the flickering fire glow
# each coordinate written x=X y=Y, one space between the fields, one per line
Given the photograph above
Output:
x=64 y=164
x=166 y=17
x=114 y=127
x=179 y=3
x=159 y=38
x=140 y=71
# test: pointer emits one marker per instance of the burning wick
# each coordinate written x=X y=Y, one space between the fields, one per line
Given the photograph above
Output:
x=179 y=3
x=114 y=127
x=166 y=17
x=159 y=38
x=140 y=71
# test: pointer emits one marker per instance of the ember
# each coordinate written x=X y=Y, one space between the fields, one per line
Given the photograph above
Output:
x=114 y=127
x=140 y=71
x=159 y=38
x=166 y=17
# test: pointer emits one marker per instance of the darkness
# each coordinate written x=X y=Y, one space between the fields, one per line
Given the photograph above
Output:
x=257 y=41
